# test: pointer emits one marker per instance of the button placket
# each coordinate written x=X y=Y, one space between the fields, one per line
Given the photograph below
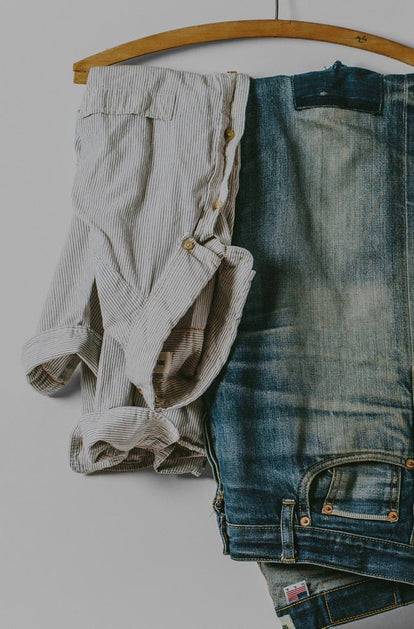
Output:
x=208 y=220
x=232 y=130
x=234 y=99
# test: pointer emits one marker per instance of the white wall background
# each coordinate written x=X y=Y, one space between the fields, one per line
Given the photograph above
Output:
x=135 y=550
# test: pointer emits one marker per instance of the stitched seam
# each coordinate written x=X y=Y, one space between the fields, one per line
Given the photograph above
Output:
x=336 y=487
x=282 y=536
x=406 y=220
x=360 y=537
x=301 y=107
x=391 y=492
x=364 y=615
x=317 y=563
x=340 y=587
x=254 y=526
x=76 y=329
x=398 y=489
x=370 y=455
x=349 y=97
x=323 y=530
x=292 y=549
x=332 y=485
x=327 y=607
x=358 y=516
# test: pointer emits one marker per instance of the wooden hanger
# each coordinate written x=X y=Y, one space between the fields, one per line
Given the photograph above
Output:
x=218 y=31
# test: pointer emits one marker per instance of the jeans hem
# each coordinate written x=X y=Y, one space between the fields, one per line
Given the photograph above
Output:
x=345 y=604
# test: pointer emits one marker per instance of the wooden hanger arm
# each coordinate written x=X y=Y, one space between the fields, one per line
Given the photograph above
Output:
x=217 y=31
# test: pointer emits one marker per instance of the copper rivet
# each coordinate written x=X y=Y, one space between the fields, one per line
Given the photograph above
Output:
x=328 y=508
x=232 y=71
x=217 y=204
x=410 y=463
x=188 y=244
x=229 y=133
x=393 y=516
x=305 y=521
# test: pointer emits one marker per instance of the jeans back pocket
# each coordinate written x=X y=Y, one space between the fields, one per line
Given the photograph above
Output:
x=345 y=87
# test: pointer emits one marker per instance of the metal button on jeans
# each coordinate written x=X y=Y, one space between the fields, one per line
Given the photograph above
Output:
x=393 y=516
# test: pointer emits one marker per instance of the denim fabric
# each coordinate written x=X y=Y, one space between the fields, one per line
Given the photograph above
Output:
x=309 y=427
x=334 y=597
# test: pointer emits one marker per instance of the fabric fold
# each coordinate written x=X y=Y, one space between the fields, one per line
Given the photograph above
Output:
x=69 y=329
x=225 y=278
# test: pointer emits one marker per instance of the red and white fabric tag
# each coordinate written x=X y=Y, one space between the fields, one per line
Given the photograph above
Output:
x=296 y=591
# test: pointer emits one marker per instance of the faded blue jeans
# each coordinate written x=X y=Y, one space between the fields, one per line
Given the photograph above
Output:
x=310 y=425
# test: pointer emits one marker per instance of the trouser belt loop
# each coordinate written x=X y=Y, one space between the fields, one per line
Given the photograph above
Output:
x=287 y=531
